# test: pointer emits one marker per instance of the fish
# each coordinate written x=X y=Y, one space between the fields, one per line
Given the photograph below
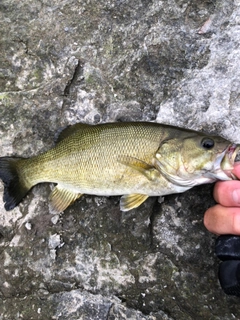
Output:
x=134 y=160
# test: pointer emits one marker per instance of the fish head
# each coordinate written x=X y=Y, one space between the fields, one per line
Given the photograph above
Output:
x=196 y=159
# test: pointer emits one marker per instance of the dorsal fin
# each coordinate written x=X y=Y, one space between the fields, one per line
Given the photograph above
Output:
x=69 y=130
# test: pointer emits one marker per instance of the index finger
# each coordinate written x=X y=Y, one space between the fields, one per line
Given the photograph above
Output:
x=236 y=169
x=227 y=193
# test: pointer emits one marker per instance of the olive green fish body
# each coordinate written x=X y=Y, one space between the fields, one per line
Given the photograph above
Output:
x=136 y=160
x=81 y=160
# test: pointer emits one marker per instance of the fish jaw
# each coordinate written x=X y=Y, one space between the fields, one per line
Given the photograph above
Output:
x=220 y=170
x=223 y=165
x=180 y=182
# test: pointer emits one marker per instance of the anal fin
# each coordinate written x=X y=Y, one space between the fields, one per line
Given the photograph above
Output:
x=131 y=201
x=61 y=198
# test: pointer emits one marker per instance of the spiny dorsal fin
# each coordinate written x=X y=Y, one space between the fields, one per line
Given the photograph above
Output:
x=149 y=171
x=131 y=201
x=69 y=130
x=61 y=198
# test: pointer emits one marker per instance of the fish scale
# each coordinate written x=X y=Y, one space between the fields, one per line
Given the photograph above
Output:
x=134 y=159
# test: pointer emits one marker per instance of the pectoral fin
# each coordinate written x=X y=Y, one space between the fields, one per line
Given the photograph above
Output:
x=131 y=201
x=149 y=171
x=61 y=198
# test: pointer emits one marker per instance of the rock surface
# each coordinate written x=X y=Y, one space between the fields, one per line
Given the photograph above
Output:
x=93 y=61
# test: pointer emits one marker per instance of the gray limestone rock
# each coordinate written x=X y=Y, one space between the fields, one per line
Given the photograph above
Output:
x=93 y=61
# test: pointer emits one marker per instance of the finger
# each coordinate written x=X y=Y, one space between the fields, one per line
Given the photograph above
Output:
x=222 y=220
x=236 y=169
x=227 y=193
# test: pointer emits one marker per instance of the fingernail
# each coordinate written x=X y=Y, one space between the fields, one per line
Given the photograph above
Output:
x=236 y=196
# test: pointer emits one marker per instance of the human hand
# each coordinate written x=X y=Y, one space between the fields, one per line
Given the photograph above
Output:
x=224 y=219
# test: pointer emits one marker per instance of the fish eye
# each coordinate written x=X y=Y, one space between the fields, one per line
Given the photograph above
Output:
x=207 y=143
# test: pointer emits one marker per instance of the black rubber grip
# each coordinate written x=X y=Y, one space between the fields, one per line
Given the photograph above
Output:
x=228 y=250
x=228 y=247
x=229 y=277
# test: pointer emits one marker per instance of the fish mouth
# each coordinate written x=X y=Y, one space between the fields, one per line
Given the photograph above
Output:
x=223 y=164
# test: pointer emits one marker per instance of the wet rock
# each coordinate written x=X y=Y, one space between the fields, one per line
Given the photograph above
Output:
x=96 y=61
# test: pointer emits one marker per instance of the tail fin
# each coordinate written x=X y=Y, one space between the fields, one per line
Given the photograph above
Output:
x=14 y=188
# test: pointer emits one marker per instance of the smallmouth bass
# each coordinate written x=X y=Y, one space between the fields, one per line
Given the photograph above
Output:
x=133 y=159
